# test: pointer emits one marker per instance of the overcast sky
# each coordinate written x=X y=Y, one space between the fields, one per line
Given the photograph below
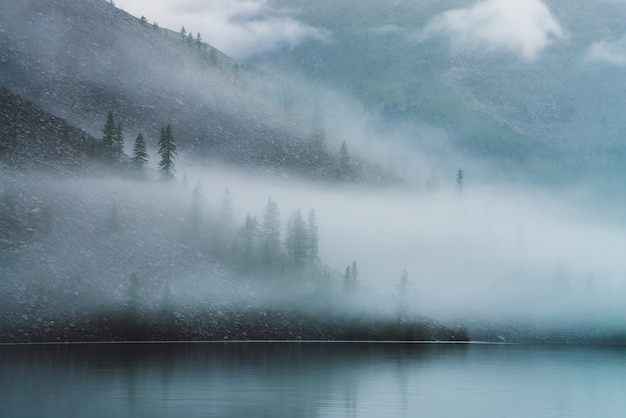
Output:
x=240 y=28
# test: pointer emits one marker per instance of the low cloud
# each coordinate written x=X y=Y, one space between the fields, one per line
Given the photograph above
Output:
x=240 y=28
x=610 y=53
x=524 y=28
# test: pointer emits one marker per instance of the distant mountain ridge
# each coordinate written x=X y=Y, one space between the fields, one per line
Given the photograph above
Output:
x=556 y=119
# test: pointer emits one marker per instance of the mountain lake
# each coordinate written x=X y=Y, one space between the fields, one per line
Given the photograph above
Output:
x=311 y=379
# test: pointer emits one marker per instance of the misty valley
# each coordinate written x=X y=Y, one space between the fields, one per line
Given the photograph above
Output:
x=219 y=254
x=152 y=187
x=174 y=249
x=312 y=208
x=125 y=259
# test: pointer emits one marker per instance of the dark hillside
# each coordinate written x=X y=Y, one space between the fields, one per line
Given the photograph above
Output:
x=32 y=138
x=80 y=59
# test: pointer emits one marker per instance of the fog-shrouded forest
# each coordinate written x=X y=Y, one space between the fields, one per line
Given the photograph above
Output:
x=373 y=180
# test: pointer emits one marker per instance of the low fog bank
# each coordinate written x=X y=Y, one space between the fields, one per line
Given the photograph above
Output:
x=530 y=240
x=473 y=255
x=411 y=150
x=488 y=251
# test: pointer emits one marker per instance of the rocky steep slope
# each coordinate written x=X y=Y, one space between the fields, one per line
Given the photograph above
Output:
x=32 y=138
x=81 y=59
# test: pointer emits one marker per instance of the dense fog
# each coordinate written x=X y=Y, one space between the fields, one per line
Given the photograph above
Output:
x=484 y=253
x=491 y=251
x=433 y=229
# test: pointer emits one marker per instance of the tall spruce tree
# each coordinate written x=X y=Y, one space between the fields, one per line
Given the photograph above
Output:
x=345 y=169
x=118 y=144
x=313 y=238
x=249 y=233
x=460 y=183
x=296 y=241
x=402 y=292
x=225 y=219
x=355 y=272
x=167 y=150
x=344 y=156
x=140 y=155
x=270 y=232
x=350 y=278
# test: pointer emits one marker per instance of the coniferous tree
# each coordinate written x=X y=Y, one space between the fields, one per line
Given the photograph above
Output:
x=344 y=156
x=140 y=155
x=313 y=238
x=248 y=236
x=198 y=41
x=460 y=183
x=183 y=33
x=167 y=150
x=350 y=278
x=296 y=241
x=270 y=232
x=402 y=291
x=355 y=272
x=319 y=135
x=118 y=144
x=347 y=278
x=344 y=162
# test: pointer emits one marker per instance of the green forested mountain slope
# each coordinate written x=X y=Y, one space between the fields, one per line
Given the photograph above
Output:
x=558 y=107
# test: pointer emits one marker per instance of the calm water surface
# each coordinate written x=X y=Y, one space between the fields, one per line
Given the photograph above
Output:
x=311 y=380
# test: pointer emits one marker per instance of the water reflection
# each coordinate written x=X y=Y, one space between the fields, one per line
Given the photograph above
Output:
x=310 y=380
